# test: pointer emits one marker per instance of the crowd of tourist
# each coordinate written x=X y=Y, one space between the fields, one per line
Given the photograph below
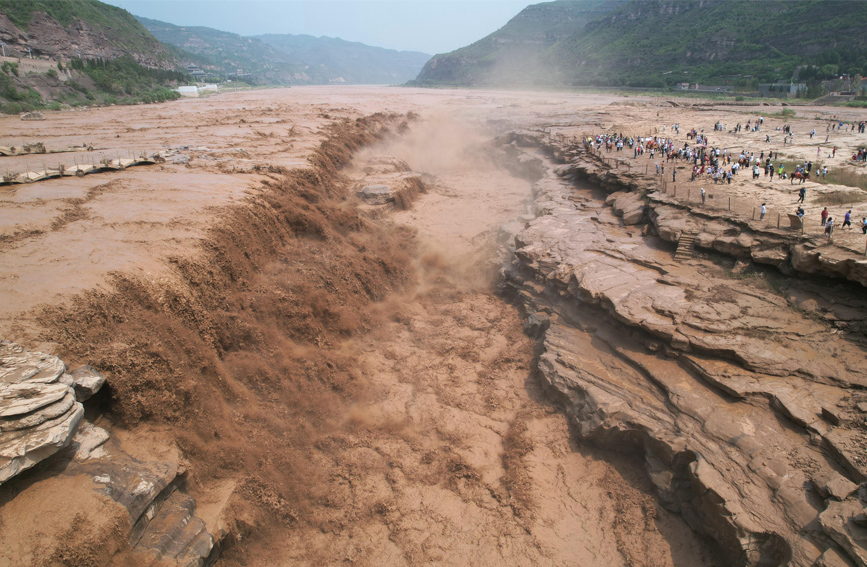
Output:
x=721 y=166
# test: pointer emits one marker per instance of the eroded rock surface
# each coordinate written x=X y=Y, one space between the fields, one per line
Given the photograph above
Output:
x=744 y=407
x=87 y=381
x=41 y=417
x=39 y=413
x=716 y=229
x=393 y=185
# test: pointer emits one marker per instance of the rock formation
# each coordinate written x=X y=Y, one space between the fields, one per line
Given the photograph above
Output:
x=748 y=409
x=38 y=409
x=715 y=229
x=394 y=185
x=41 y=421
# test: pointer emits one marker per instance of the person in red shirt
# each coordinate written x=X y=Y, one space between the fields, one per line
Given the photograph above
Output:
x=824 y=215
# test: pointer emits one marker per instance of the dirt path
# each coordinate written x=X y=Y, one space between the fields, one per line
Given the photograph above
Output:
x=463 y=461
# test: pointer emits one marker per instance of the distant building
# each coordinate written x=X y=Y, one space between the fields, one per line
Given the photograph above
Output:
x=197 y=73
x=192 y=92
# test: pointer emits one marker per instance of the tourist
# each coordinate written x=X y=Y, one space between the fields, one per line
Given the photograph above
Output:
x=703 y=196
x=864 y=225
x=824 y=216
x=829 y=226
x=764 y=210
x=800 y=212
x=847 y=220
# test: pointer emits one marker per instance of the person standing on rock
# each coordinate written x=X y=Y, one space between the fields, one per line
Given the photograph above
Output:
x=847 y=220
x=829 y=226
x=763 y=210
x=802 y=194
x=864 y=225
x=824 y=216
x=674 y=175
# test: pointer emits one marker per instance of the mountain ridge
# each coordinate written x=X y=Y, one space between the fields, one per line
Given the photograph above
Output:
x=659 y=43
x=354 y=61
x=288 y=58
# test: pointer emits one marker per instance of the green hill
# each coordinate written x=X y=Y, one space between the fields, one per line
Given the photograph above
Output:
x=349 y=61
x=655 y=43
x=227 y=53
x=79 y=52
x=284 y=58
x=517 y=53
x=69 y=28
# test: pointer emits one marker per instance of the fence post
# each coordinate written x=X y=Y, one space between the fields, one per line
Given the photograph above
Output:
x=730 y=203
x=754 y=213
x=778 y=220
x=688 y=195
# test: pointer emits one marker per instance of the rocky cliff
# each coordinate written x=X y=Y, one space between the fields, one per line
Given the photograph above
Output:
x=65 y=29
x=744 y=395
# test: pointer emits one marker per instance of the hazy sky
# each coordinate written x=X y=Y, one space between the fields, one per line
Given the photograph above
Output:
x=431 y=26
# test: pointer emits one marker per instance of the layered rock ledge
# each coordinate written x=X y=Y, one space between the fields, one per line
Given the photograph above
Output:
x=42 y=423
x=716 y=229
x=749 y=409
